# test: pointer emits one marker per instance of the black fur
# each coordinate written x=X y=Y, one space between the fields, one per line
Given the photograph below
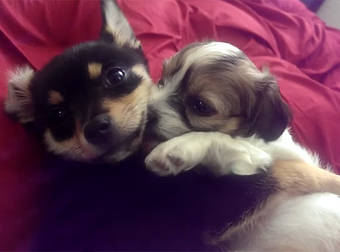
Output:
x=123 y=207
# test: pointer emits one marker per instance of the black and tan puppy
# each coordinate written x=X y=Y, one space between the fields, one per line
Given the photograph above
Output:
x=90 y=102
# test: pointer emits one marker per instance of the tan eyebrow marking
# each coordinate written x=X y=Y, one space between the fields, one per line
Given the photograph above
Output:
x=55 y=97
x=141 y=71
x=94 y=69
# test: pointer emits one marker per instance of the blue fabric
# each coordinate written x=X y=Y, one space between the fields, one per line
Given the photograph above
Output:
x=313 y=5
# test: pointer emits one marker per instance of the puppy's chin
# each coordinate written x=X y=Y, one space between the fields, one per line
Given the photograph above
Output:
x=81 y=152
x=89 y=154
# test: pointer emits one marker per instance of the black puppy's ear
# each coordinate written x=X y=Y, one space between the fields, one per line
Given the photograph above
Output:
x=115 y=27
x=18 y=102
x=271 y=115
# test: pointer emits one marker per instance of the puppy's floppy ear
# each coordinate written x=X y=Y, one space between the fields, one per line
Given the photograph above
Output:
x=115 y=27
x=18 y=102
x=270 y=115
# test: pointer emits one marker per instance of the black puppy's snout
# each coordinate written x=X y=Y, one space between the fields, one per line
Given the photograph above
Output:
x=99 y=130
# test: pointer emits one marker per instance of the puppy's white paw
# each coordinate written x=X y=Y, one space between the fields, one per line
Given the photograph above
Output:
x=243 y=167
x=174 y=156
x=251 y=162
x=238 y=157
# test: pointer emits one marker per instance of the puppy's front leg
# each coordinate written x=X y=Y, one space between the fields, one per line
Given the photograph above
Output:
x=220 y=153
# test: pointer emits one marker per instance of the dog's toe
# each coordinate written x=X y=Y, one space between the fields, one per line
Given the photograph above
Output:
x=157 y=166
x=168 y=161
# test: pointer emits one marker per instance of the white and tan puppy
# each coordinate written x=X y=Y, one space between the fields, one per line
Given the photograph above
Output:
x=220 y=112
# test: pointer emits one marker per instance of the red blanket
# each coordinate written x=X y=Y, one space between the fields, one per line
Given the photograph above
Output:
x=295 y=44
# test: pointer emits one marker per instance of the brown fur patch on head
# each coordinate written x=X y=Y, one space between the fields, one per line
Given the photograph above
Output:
x=55 y=97
x=94 y=69
x=226 y=88
x=225 y=80
x=240 y=99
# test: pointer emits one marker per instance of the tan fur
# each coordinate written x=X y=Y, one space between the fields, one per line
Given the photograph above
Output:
x=94 y=69
x=75 y=147
x=140 y=70
x=121 y=107
x=299 y=177
x=231 y=125
x=127 y=111
x=121 y=40
x=55 y=97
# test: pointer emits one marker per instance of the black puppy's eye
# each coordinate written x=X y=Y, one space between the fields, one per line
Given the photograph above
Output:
x=115 y=75
x=57 y=114
x=200 y=107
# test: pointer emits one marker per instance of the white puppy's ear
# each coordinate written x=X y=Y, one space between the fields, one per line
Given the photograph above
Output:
x=271 y=115
x=115 y=27
x=18 y=102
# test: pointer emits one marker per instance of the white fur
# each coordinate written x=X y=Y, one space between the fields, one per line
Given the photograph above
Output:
x=305 y=223
x=170 y=122
x=19 y=99
x=118 y=26
x=224 y=154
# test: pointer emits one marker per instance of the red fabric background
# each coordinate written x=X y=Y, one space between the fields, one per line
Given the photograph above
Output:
x=284 y=35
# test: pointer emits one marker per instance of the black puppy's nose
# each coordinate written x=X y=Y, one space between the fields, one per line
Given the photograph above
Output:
x=99 y=130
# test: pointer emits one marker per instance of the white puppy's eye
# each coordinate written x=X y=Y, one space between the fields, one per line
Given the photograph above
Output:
x=200 y=107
